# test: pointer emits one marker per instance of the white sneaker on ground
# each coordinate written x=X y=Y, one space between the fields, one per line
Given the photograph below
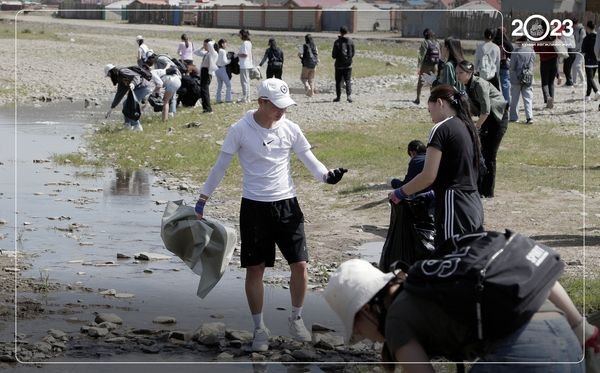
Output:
x=298 y=331
x=260 y=343
x=137 y=128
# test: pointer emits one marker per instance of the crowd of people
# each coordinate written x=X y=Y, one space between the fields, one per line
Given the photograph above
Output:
x=470 y=105
x=166 y=82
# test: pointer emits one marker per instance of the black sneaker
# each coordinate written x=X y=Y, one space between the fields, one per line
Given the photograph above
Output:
x=417 y=102
x=337 y=99
x=349 y=99
x=529 y=121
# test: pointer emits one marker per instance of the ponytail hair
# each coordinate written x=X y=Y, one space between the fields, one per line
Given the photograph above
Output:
x=459 y=101
x=185 y=39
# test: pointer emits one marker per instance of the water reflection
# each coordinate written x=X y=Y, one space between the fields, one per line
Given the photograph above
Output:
x=130 y=183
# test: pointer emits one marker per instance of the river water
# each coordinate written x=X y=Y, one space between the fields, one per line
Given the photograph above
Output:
x=115 y=213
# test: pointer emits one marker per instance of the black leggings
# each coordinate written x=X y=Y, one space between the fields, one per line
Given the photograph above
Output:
x=491 y=134
x=205 y=79
x=548 y=71
x=590 y=72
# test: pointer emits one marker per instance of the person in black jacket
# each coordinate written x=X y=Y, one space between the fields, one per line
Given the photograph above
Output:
x=416 y=151
x=590 y=60
x=190 y=91
x=343 y=52
x=274 y=57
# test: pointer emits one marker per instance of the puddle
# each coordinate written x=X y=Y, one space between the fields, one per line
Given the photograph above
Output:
x=115 y=213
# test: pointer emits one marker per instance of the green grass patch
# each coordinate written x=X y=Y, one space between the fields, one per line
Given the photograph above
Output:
x=534 y=156
x=76 y=159
x=574 y=285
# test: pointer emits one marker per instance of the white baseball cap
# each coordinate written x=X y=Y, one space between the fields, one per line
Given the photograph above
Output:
x=276 y=91
x=139 y=37
x=352 y=286
x=107 y=68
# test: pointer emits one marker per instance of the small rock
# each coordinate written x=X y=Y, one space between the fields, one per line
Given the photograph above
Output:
x=225 y=356
x=210 y=333
x=97 y=332
x=304 y=355
x=108 y=325
x=151 y=256
x=241 y=335
x=110 y=317
x=151 y=349
x=108 y=292
x=116 y=340
x=164 y=320
x=123 y=256
x=179 y=335
x=58 y=334
x=124 y=295
x=316 y=327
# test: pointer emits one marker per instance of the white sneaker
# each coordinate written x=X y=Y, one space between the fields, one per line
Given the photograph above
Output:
x=260 y=343
x=298 y=331
x=137 y=128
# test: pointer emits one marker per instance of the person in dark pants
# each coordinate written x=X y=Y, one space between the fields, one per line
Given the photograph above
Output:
x=208 y=67
x=569 y=42
x=451 y=166
x=343 y=52
x=590 y=60
x=489 y=104
x=274 y=58
x=548 y=69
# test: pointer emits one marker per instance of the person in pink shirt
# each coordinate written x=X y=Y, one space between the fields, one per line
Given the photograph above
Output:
x=185 y=50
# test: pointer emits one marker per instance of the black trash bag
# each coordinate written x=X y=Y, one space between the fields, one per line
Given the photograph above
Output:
x=411 y=234
x=131 y=108
x=189 y=92
x=156 y=102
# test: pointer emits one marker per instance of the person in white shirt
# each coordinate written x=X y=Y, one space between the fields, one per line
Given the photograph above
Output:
x=576 y=69
x=264 y=140
x=221 y=73
x=246 y=64
x=487 y=59
x=185 y=50
x=142 y=50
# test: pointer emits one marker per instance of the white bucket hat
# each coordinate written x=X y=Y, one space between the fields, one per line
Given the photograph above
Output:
x=107 y=68
x=276 y=91
x=351 y=287
x=139 y=37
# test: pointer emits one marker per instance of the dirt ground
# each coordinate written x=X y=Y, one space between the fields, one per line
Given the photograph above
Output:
x=335 y=224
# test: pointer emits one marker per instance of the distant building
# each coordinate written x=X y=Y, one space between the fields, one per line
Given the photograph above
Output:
x=117 y=11
x=11 y=5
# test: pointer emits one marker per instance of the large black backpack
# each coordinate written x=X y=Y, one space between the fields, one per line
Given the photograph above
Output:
x=491 y=282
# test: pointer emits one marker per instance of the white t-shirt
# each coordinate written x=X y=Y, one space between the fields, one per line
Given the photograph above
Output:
x=265 y=156
x=246 y=48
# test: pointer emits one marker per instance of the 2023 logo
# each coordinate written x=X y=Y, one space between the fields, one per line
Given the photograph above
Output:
x=536 y=27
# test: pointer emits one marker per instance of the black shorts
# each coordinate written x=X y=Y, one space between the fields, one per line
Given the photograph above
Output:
x=264 y=224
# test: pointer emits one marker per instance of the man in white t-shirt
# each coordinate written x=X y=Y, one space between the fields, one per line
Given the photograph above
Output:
x=246 y=63
x=264 y=140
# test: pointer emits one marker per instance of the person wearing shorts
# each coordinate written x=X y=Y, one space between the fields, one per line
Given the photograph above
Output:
x=270 y=215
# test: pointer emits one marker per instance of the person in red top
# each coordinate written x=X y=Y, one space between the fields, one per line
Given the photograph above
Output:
x=548 y=69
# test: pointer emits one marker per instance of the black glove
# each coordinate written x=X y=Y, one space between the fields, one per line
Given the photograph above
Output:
x=334 y=176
